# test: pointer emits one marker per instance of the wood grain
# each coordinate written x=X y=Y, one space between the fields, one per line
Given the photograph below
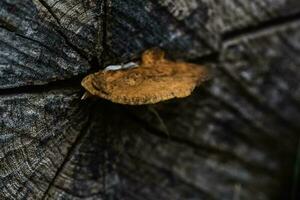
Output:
x=37 y=131
x=33 y=52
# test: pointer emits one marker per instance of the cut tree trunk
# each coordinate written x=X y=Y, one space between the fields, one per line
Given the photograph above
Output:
x=236 y=137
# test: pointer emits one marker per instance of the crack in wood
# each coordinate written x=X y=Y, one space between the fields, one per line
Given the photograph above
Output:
x=34 y=41
x=259 y=27
x=211 y=58
x=70 y=153
x=48 y=8
x=102 y=46
x=8 y=26
x=72 y=82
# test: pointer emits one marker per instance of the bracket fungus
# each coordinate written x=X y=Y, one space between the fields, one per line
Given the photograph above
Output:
x=153 y=80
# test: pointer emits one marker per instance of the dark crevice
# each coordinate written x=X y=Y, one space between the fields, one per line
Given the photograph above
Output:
x=50 y=11
x=94 y=64
x=103 y=33
x=101 y=50
x=55 y=85
x=34 y=41
x=212 y=57
x=68 y=157
x=75 y=80
x=93 y=61
x=8 y=26
x=251 y=29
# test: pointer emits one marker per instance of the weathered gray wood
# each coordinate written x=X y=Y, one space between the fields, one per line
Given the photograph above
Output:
x=36 y=50
x=80 y=22
x=90 y=171
x=135 y=25
x=37 y=131
x=227 y=16
x=188 y=29
x=234 y=138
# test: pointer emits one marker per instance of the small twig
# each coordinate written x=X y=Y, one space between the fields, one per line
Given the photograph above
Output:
x=160 y=120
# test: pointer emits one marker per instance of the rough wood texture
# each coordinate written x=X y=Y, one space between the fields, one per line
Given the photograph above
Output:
x=189 y=29
x=135 y=25
x=33 y=51
x=234 y=138
x=37 y=132
x=227 y=16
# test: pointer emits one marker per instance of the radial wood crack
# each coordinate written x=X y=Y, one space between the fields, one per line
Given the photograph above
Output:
x=262 y=26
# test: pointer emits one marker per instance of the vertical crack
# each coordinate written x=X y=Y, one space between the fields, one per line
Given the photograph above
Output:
x=70 y=153
x=103 y=42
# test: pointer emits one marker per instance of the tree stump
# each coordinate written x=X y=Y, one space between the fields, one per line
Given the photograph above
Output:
x=236 y=137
